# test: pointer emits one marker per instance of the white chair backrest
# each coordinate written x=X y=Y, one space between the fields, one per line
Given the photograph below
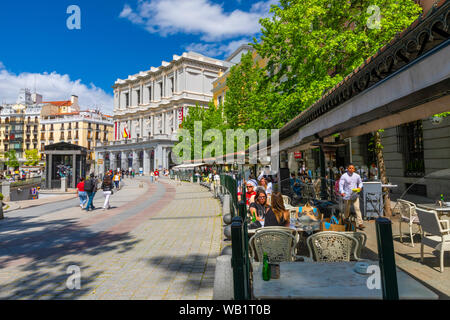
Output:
x=429 y=221
x=330 y=246
x=279 y=245
x=286 y=200
x=407 y=209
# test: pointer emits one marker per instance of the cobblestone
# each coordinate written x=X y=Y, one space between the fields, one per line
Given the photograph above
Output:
x=158 y=242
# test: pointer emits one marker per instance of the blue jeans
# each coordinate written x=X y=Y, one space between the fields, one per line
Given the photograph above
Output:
x=91 y=199
x=83 y=197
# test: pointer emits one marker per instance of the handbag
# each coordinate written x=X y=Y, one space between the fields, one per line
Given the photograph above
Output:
x=332 y=225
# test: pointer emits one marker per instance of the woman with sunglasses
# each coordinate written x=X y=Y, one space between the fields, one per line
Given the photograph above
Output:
x=258 y=209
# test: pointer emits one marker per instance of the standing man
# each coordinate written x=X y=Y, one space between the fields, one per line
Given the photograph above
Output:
x=216 y=184
x=351 y=181
x=156 y=175
x=90 y=187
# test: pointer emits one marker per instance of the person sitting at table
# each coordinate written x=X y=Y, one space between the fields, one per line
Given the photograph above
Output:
x=250 y=192
x=258 y=209
x=277 y=215
x=295 y=185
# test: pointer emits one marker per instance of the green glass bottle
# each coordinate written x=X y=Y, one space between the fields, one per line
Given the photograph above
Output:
x=266 y=268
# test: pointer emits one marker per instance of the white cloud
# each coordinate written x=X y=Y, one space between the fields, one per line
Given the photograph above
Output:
x=167 y=17
x=53 y=86
x=215 y=49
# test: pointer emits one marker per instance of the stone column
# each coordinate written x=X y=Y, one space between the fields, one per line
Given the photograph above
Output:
x=74 y=170
x=124 y=162
x=146 y=162
x=135 y=164
x=112 y=161
x=6 y=191
x=101 y=167
x=49 y=170
x=141 y=127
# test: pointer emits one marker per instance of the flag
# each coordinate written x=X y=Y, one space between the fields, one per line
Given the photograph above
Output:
x=126 y=134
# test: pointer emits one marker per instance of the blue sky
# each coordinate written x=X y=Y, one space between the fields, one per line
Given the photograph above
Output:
x=117 y=38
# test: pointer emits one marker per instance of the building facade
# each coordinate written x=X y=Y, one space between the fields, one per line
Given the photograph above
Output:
x=62 y=121
x=19 y=125
x=149 y=108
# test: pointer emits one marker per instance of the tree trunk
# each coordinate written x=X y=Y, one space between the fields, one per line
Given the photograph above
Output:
x=383 y=177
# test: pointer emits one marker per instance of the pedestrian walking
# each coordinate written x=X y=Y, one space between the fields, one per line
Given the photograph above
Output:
x=82 y=193
x=156 y=175
x=132 y=174
x=107 y=188
x=152 y=176
x=350 y=185
x=90 y=186
x=116 y=180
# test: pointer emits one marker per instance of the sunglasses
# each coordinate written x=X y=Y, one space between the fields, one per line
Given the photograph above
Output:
x=261 y=197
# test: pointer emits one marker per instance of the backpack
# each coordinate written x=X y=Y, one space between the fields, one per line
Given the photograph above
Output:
x=88 y=185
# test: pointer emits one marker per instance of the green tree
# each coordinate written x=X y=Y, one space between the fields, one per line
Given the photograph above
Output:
x=11 y=157
x=32 y=157
x=312 y=45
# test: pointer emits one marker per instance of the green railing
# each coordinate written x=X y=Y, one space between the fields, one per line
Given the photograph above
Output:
x=239 y=240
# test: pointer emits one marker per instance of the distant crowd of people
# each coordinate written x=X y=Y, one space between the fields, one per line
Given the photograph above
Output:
x=87 y=188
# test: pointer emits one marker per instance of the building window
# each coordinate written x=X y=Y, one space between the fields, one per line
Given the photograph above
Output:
x=150 y=94
x=138 y=93
x=127 y=99
x=411 y=146
x=160 y=90
x=219 y=100
x=172 y=88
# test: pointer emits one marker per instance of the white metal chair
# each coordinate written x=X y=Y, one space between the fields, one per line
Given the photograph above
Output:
x=408 y=215
x=279 y=245
x=362 y=238
x=286 y=200
x=439 y=238
x=330 y=246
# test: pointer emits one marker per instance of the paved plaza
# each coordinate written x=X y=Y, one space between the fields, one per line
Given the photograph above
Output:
x=159 y=241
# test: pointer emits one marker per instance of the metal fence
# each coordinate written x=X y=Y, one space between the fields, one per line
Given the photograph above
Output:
x=239 y=239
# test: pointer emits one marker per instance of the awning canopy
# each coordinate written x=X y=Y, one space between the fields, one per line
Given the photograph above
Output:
x=188 y=166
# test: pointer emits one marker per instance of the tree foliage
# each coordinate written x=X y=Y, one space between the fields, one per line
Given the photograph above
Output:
x=312 y=45
x=12 y=161
x=32 y=157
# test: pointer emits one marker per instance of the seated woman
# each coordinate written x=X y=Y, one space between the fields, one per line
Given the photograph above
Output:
x=277 y=215
x=259 y=209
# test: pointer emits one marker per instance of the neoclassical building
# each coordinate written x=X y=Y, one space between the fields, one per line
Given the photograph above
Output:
x=149 y=108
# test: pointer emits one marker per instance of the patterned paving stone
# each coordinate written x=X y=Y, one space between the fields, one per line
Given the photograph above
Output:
x=158 y=242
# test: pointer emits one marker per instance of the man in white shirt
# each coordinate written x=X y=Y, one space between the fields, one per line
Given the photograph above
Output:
x=216 y=184
x=351 y=181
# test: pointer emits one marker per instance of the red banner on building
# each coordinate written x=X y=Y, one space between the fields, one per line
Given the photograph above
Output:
x=180 y=116
x=297 y=155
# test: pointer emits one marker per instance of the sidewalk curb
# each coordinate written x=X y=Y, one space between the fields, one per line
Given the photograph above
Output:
x=18 y=207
